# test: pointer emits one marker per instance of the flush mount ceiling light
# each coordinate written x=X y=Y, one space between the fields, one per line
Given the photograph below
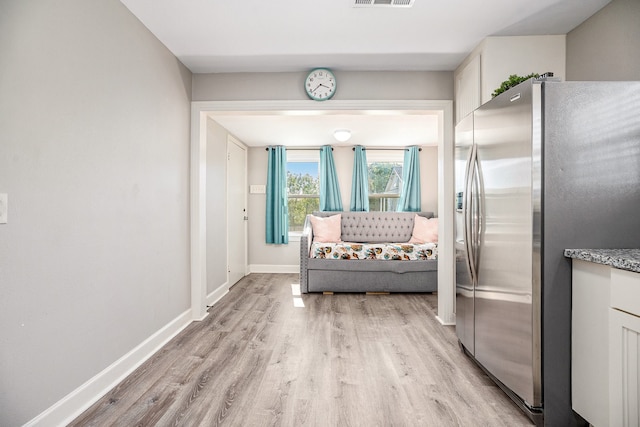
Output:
x=342 y=135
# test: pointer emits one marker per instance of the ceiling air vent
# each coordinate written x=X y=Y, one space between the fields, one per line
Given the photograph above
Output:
x=383 y=3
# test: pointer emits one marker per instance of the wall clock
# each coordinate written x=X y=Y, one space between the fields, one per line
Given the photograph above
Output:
x=320 y=84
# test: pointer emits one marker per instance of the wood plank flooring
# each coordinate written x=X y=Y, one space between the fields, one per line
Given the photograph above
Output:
x=341 y=360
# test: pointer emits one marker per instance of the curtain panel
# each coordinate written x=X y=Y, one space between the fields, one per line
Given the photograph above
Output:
x=277 y=218
x=330 y=198
x=359 y=181
x=410 y=196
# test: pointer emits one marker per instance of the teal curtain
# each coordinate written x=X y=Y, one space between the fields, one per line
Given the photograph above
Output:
x=359 y=181
x=410 y=196
x=277 y=230
x=330 y=198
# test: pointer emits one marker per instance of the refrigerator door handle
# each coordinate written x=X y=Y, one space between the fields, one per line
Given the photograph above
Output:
x=479 y=213
x=468 y=214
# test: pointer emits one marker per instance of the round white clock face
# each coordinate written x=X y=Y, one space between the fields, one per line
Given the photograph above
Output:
x=320 y=84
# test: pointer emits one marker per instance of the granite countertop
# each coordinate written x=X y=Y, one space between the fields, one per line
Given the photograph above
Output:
x=624 y=259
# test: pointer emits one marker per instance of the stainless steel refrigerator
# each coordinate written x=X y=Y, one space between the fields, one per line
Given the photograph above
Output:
x=545 y=166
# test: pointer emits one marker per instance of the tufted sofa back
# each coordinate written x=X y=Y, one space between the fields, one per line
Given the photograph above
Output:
x=376 y=227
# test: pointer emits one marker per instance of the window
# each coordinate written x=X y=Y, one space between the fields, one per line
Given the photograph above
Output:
x=385 y=179
x=303 y=186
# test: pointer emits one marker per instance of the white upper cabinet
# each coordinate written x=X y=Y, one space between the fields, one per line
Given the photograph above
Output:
x=496 y=58
x=467 y=88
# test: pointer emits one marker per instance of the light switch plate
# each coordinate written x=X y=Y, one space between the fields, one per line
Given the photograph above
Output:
x=257 y=189
x=4 y=206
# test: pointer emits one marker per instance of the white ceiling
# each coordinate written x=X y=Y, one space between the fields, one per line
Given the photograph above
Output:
x=212 y=36
x=215 y=36
x=315 y=128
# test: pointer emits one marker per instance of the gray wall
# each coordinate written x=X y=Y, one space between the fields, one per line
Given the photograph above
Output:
x=262 y=254
x=216 y=205
x=607 y=45
x=94 y=154
x=352 y=85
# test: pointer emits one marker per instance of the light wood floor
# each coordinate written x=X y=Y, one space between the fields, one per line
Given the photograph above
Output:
x=341 y=360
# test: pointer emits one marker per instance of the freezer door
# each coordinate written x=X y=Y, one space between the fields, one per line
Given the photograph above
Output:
x=464 y=279
x=503 y=295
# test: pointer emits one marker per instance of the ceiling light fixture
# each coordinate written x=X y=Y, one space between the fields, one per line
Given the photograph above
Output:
x=383 y=3
x=342 y=135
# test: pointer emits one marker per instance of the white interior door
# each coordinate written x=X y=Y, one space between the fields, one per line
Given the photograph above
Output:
x=236 y=210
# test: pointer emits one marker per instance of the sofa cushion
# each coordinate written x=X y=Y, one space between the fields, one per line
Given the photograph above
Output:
x=326 y=229
x=380 y=251
x=424 y=230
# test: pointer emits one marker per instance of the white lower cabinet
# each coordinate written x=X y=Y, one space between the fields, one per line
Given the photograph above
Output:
x=624 y=349
x=624 y=379
x=605 y=360
x=589 y=338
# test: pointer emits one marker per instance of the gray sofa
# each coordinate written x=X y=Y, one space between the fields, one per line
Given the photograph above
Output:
x=364 y=275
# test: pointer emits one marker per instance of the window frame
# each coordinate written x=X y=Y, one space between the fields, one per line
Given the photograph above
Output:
x=302 y=156
x=384 y=156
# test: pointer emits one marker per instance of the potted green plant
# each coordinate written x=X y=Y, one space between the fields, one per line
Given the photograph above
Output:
x=513 y=80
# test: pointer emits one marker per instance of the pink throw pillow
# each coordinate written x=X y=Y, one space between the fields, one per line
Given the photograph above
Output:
x=327 y=229
x=425 y=230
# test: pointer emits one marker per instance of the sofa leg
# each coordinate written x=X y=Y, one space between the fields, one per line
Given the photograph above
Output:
x=327 y=293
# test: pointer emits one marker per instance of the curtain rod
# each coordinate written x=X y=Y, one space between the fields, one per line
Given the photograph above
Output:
x=353 y=149
x=385 y=149
x=301 y=149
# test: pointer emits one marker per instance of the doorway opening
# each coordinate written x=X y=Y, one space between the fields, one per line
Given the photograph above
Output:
x=444 y=112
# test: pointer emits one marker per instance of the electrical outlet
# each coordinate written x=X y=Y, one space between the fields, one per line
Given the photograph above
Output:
x=257 y=189
x=4 y=207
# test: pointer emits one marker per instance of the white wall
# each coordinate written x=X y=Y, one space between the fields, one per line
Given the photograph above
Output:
x=263 y=257
x=94 y=155
x=429 y=179
x=607 y=45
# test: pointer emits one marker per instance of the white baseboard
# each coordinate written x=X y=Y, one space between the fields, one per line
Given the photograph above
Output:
x=216 y=295
x=271 y=268
x=75 y=403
